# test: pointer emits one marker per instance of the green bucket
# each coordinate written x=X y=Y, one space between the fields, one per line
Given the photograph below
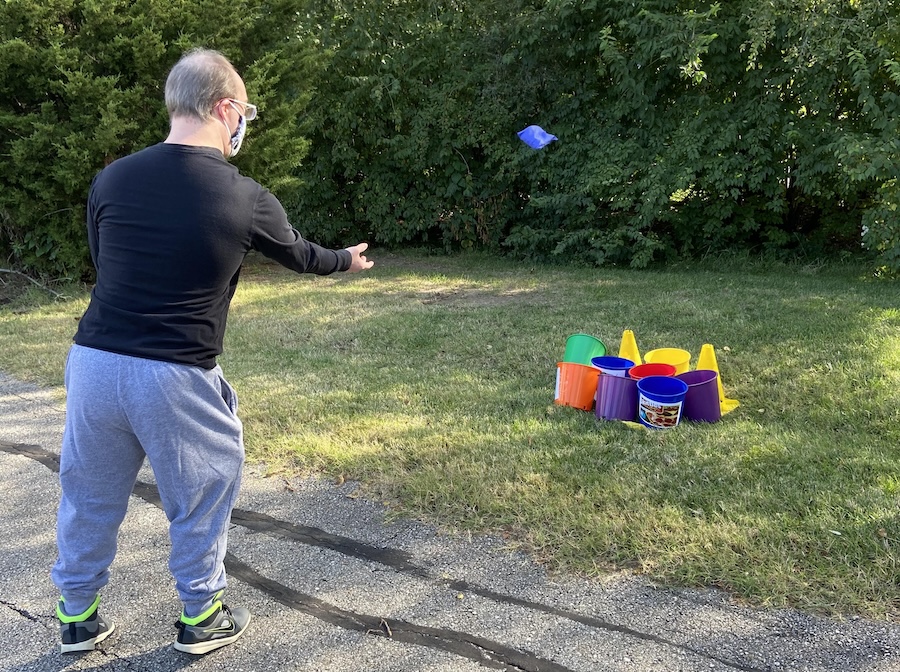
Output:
x=581 y=348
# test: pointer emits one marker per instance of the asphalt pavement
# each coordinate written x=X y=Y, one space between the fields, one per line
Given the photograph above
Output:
x=335 y=584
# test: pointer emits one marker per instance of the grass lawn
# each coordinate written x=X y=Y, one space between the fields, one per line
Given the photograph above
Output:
x=430 y=379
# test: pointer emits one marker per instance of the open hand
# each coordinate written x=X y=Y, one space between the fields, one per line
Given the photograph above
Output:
x=358 y=261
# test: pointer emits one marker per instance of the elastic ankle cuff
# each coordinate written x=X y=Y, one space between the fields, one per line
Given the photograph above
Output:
x=215 y=606
x=83 y=616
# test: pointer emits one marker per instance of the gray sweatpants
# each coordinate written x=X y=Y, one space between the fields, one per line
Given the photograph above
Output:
x=183 y=418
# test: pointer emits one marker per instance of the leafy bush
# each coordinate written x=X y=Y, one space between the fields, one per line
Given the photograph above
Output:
x=685 y=127
x=410 y=131
x=81 y=84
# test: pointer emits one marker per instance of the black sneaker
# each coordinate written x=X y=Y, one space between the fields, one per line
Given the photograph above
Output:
x=84 y=631
x=218 y=626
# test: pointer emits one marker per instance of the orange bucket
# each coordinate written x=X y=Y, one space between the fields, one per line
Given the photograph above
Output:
x=576 y=385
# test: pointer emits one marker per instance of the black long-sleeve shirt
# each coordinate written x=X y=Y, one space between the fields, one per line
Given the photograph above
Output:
x=168 y=229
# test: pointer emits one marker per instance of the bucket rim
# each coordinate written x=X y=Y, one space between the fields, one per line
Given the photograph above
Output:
x=646 y=366
x=586 y=366
x=693 y=374
x=680 y=351
x=591 y=336
x=615 y=362
x=665 y=381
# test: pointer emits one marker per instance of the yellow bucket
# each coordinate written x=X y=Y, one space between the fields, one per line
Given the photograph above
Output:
x=680 y=359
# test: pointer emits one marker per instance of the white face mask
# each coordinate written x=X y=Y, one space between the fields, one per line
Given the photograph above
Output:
x=237 y=138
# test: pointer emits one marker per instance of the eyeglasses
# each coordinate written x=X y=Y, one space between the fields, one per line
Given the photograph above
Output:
x=249 y=109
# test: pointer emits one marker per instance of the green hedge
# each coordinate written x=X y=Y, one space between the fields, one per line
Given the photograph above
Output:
x=81 y=84
x=684 y=127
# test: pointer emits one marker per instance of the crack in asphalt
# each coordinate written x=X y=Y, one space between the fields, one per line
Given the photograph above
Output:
x=25 y=613
x=478 y=649
x=401 y=562
x=483 y=651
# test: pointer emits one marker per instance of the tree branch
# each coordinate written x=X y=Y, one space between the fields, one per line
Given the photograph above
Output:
x=32 y=280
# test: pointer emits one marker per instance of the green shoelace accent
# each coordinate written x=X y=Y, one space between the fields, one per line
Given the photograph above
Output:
x=206 y=614
x=65 y=618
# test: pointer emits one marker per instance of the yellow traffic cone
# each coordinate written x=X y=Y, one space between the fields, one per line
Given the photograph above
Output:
x=707 y=361
x=628 y=348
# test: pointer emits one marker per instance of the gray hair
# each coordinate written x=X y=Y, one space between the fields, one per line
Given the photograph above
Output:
x=200 y=79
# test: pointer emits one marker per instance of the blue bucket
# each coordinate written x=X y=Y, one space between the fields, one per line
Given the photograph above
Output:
x=613 y=366
x=660 y=399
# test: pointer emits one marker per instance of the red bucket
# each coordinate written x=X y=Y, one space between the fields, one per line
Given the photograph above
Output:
x=652 y=369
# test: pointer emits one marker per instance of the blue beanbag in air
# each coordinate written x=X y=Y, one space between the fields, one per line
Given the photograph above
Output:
x=536 y=137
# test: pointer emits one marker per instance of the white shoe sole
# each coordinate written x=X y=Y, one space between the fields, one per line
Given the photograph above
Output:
x=88 y=644
x=205 y=647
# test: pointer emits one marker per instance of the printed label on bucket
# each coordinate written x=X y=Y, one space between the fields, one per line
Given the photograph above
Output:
x=658 y=414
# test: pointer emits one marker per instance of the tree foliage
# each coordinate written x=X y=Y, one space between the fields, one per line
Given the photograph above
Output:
x=684 y=127
x=406 y=125
x=81 y=84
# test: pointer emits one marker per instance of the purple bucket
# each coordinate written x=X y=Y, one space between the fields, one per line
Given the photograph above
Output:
x=617 y=398
x=701 y=403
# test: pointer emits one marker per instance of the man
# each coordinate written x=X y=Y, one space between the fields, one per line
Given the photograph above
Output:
x=168 y=229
